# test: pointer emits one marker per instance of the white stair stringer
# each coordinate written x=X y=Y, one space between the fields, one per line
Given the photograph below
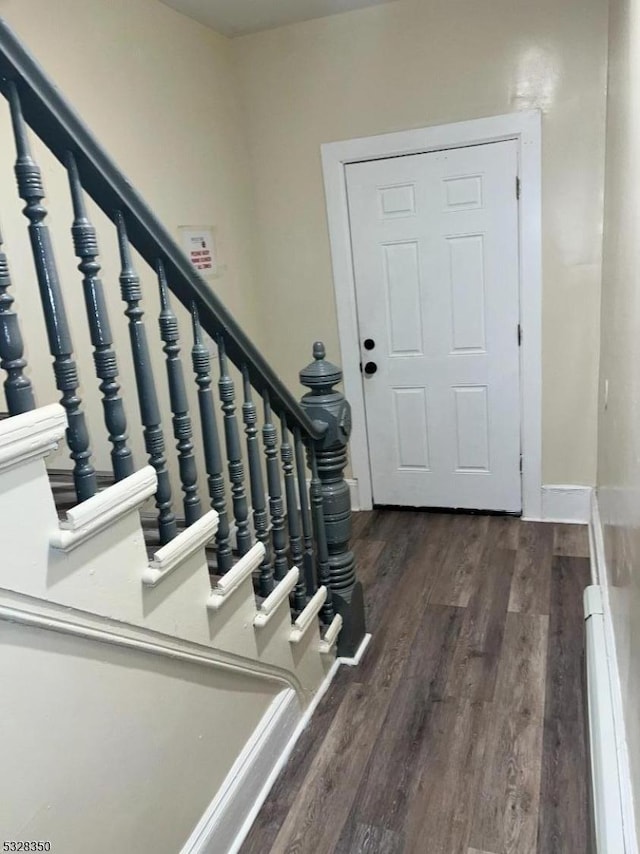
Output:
x=307 y=620
x=236 y=577
x=96 y=562
x=193 y=539
x=330 y=637
x=269 y=607
x=96 y=514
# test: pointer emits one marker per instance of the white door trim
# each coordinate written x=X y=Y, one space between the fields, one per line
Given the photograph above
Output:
x=525 y=127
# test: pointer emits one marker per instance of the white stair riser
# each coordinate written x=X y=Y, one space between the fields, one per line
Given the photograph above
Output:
x=103 y=574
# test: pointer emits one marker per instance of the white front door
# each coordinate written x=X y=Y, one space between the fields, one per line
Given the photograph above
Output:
x=435 y=252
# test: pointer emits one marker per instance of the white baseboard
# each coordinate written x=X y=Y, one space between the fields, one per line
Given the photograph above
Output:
x=606 y=798
x=355 y=492
x=566 y=503
x=279 y=765
x=615 y=831
x=218 y=829
x=357 y=658
x=228 y=818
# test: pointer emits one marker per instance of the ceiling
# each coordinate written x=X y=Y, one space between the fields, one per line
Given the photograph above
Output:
x=239 y=17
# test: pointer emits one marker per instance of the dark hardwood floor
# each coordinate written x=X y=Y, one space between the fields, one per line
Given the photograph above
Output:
x=462 y=731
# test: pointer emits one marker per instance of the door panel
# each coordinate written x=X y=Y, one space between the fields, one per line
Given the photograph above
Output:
x=412 y=433
x=466 y=283
x=435 y=251
x=402 y=285
x=472 y=428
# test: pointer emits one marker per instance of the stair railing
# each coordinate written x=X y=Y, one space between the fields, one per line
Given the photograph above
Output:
x=307 y=526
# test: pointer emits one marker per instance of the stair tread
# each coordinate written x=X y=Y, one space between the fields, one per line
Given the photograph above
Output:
x=65 y=498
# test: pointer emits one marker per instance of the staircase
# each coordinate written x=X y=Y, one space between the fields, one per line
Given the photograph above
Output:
x=251 y=576
x=64 y=497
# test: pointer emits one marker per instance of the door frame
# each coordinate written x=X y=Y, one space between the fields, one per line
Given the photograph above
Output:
x=525 y=127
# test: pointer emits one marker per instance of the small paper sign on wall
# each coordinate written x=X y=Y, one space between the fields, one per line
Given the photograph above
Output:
x=199 y=244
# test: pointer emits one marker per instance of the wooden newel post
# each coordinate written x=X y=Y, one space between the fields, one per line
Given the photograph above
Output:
x=326 y=404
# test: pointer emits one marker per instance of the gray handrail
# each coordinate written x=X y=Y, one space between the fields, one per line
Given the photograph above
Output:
x=51 y=117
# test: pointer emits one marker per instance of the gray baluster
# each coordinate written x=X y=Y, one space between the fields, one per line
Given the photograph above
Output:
x=179 y=405
x=234 y=453
x=293 y=517
x=256 y=482
x=30 y=189
x=145 y=385
x=17 y=387
x=86 y=248
x=276 y=506
x=320 y=534
x=325 y=404
x=305 y=515
x=211 y=443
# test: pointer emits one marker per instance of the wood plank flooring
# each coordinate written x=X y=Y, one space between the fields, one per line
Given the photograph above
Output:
x=462 y=731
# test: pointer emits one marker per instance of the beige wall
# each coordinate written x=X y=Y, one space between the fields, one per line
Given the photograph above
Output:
x=415 y=63
x=619 y=423
x=110 y=750
x=158 y=90
x=229 y=133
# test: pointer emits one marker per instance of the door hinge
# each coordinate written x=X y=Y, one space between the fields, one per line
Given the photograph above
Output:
x=520 y=463
x=517 y=186
x=519 y=335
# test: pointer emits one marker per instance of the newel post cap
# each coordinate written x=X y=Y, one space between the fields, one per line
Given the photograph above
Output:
x=320 y=375
x=324 y=403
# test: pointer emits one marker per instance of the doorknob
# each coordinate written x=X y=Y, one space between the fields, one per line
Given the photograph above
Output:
x=370 y=368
